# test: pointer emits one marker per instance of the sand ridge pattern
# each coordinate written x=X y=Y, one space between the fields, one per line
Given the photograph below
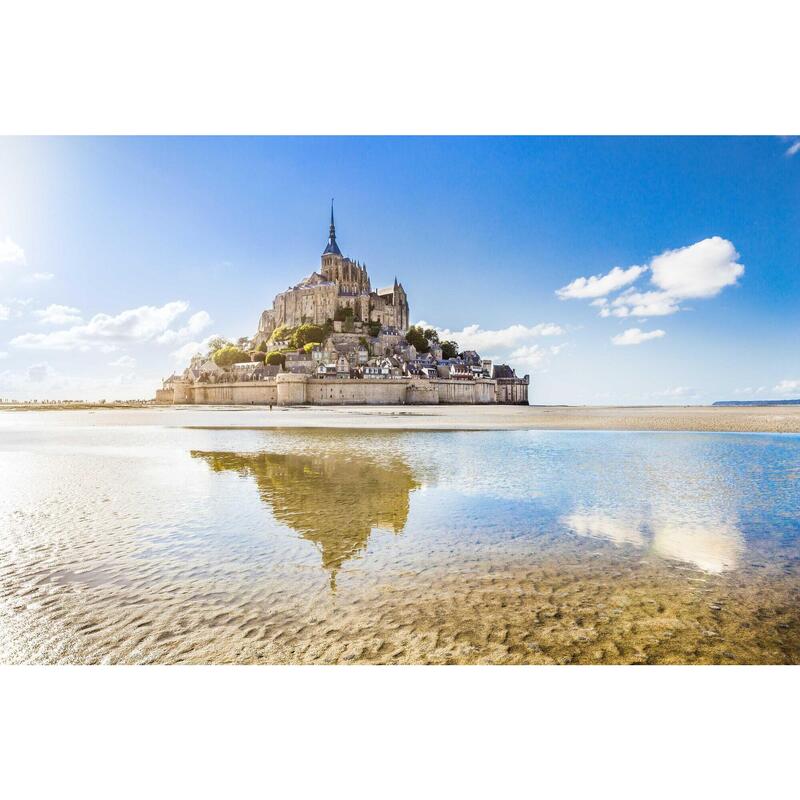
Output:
x=158 y=545
x=616 y=611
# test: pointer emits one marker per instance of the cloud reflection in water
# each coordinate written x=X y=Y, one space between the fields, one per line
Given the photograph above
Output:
x=710 y=545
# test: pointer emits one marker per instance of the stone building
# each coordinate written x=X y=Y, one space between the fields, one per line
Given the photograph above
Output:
x=364 y=358
x=509 y=389
x=340 y=288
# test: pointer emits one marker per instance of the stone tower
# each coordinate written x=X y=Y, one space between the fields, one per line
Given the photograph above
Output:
x=340 y=288
x=350 y=275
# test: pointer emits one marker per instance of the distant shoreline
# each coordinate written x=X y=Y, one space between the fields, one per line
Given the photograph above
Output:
x=742 y=419
x=77 y=405
x=756 y=403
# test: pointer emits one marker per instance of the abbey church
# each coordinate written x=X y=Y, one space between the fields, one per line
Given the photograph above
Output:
x=341 y=288
x=364 y=352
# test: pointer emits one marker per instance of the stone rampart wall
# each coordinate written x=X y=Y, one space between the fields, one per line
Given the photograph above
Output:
x=333 y=391
x=245 y=393
x=290 y=390
x=511 y=392
x=456 y=392
x=165 y=396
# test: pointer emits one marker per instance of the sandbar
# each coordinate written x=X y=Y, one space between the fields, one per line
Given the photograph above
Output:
x=739 y=419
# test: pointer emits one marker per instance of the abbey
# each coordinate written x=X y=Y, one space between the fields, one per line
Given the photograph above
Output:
x=341 y=289
x=333 y=340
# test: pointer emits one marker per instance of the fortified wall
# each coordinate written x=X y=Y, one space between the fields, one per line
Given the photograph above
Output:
x=288 y=389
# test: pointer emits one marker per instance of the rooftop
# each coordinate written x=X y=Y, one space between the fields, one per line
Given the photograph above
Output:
x=332 y=247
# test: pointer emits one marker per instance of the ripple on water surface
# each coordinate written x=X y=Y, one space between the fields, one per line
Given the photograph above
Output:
x=148 y=544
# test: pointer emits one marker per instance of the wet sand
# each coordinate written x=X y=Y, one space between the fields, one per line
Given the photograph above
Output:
x=740 y=419
x=760 y=419
x=201 y=535
x=604 y=608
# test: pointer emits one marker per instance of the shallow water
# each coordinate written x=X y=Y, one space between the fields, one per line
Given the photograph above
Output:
x=143 y=543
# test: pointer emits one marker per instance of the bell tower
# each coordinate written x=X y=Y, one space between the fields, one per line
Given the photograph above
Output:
x=332 y=255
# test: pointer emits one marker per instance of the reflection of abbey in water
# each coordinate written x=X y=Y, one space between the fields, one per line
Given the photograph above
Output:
x=334 y=501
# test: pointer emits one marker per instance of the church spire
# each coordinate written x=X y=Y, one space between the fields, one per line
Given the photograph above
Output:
x=332 y=247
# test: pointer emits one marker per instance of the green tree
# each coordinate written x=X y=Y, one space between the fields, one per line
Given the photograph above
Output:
x=262 y=347
x=227 y=356
x=217 y=343
x=374 y=328
x=307 y=333
x=416 y=336
x=275 y=359
x=431 y=335
x=259 y=356
x=281 y=332
x=449 y=349
x=310 y=346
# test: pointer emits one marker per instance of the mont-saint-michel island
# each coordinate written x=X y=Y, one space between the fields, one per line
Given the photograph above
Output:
x=333 y=339
x=322 y=446
x=456 y=400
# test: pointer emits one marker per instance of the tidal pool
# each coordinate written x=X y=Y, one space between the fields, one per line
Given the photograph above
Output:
x=144 y=543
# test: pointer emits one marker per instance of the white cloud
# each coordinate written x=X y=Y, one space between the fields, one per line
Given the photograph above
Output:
x=3 y=355
x=636 y=336
x=516 y=344
x=644 y=304
x=599 y=285
x=14 y=308
x=622 y=311
x=700 y=270
x=787 y=387
x=11 y=252
x=472 y=337
x=56 y=314
x=127 y=362
x=750 y=390
x=793 y=148
x=42 y=276
x=529 y=356
x=197 y=323
x=106 y=332
x=184 y=353
x=41 y=380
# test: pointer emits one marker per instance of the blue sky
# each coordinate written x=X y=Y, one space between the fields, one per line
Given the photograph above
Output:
x=118 y=255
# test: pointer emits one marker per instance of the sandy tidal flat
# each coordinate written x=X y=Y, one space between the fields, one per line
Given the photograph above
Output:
x=205 y=536
x=741 y=419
